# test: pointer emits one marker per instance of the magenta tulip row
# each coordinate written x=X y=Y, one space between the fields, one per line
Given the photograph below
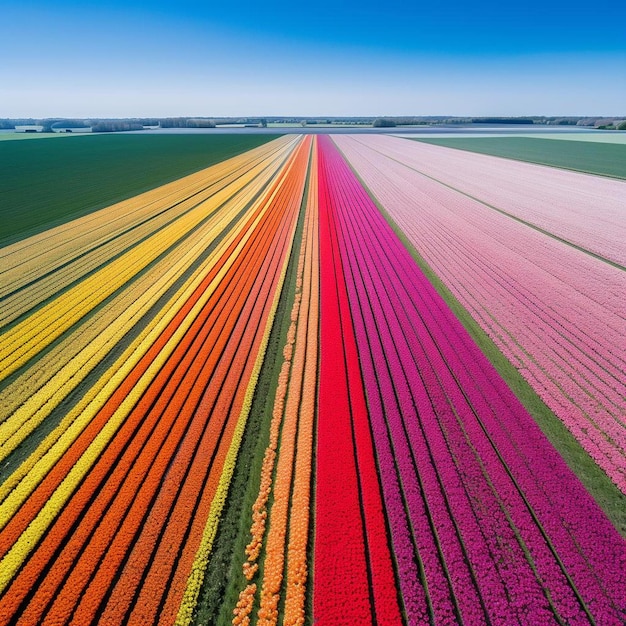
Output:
x=554 y=311
x=487 y=522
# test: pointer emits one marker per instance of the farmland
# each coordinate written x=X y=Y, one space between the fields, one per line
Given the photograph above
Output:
x=334 y=380
x=44 y=183
x=592 y=156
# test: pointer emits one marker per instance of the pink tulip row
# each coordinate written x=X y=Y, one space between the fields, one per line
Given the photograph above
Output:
x=488 y=523
x=554 y=311
x=592 y=217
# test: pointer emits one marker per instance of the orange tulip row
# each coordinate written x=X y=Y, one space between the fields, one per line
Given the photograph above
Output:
x=244 y=606
x=307 y=344
x=291 y=441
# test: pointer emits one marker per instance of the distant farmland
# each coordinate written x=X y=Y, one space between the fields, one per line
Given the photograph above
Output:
x=350 y=379
x=595 y=157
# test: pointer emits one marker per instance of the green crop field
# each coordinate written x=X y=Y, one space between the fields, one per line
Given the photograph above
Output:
x=45 y=183
x=607 y=159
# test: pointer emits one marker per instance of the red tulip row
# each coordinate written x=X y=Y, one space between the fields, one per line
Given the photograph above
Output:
x=353 y=579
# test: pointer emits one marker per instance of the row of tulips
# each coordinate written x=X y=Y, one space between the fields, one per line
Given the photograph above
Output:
x=480 y=506
x=117 y=535
x=350 y=534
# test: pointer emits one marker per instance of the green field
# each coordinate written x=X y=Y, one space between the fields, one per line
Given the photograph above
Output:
x=45 y=183
x=607 y=159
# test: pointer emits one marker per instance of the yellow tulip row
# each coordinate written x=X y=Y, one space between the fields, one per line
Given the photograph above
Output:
x=28 y=337
x=37 y=528
x=38 y=400
x=198 y=570
x=22 y=482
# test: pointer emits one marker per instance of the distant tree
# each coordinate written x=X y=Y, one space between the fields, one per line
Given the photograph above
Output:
x=70 y=124
x=8 y=124
x=603 y=122
x=114 y=126
x=409 y=121
x=501 y=120
x=200 y=123
x=558 y=121
x=622 y=125
x=173 y=122
x=383 y=122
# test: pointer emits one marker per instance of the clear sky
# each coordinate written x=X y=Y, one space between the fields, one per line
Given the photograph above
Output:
x=359 y=57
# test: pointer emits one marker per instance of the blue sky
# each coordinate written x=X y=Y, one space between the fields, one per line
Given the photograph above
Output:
x=120 y=59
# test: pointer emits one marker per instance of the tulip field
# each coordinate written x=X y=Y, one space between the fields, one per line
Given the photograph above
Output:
x=244 y=397
x=544 y=277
